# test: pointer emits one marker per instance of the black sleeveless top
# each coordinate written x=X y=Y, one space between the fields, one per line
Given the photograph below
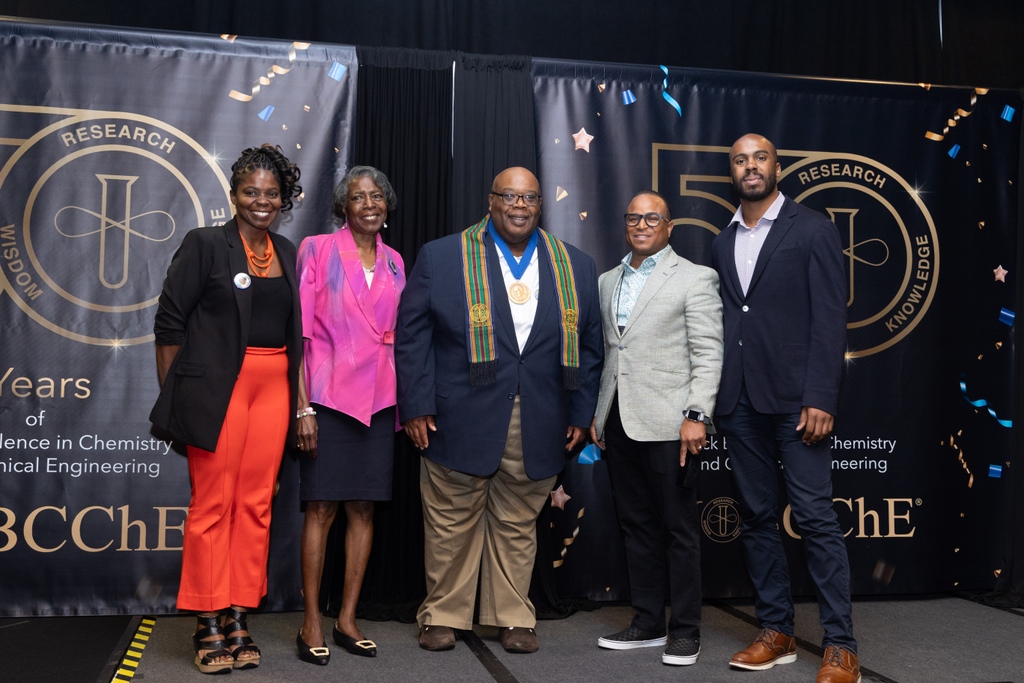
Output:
x=271 y=312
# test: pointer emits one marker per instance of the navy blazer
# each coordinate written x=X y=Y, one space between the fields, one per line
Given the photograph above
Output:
x=433 y=363
x=786 y=339
x=202 y=310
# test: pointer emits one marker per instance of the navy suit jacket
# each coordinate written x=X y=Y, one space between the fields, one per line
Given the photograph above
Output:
x=786 y=339
x=432 y=362
x=203 y=310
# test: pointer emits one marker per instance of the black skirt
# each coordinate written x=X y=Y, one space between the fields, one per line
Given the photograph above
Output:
x=354 y=462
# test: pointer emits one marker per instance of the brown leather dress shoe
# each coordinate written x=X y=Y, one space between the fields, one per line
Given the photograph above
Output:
x=436 y=638
x=838 y=666
x=768 y=649
x=517 y=639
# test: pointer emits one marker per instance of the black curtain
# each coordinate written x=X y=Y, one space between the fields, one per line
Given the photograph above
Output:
x=1009 y=587
x=953 y=42
x=403 y=127
x=494 y=128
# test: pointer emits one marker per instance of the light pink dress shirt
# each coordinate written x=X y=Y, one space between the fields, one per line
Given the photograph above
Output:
x=348 y=327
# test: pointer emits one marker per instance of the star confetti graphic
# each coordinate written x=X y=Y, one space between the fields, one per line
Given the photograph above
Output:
x=1000 y=273
x=559 y=498
x=583 y=139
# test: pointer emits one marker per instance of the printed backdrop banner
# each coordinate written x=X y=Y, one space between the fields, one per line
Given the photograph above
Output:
x=113 y=144
x=922 y=183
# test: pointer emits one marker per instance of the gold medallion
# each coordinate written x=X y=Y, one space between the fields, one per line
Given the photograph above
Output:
x=518 y=293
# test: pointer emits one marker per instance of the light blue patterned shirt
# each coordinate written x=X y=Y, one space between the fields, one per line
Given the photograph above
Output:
x=632 y=283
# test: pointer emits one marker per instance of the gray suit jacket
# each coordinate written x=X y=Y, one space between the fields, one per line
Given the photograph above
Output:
x=669 y=356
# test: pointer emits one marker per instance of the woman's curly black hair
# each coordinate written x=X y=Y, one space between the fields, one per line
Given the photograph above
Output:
x=268 y=157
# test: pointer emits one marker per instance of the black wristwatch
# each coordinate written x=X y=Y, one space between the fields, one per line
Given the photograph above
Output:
x=694 y=415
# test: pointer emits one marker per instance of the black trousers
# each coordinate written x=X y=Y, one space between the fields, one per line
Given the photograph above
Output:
x=656 y=500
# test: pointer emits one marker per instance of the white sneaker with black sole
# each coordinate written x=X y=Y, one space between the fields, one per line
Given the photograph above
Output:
x=681 y=652
x=631 y=639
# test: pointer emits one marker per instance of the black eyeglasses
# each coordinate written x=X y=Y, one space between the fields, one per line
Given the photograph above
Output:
x=510 y=198
x=652 y=219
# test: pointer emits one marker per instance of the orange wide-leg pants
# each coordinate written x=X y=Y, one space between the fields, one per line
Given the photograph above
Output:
x=227 y=531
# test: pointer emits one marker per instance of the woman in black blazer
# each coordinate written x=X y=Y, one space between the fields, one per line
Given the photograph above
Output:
x=228 y=352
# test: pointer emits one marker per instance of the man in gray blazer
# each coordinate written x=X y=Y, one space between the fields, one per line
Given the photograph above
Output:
x=662 y=319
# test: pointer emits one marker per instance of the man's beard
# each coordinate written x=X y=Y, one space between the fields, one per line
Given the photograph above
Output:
x=752 y=195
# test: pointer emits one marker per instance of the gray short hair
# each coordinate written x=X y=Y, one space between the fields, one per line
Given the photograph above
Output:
x=378 y=178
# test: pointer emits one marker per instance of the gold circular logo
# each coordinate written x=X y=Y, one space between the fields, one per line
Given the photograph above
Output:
x=720 y=520
x=478 y=314
x=94 y=205
x=890 y=243
x=571 y=318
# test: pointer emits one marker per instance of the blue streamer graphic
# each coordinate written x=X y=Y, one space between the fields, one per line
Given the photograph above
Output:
x=668 y=98
x=589 y=455
x=982 y=403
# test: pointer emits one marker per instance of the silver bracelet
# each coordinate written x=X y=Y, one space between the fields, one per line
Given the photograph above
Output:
x=304 y=412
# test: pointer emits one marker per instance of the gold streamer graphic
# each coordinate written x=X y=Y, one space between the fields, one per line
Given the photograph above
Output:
x=274 y=70
x=566 y=542
x=960 y=458
x=960 y=114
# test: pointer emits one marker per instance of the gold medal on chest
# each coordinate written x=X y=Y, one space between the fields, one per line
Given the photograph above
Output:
x=518 y=292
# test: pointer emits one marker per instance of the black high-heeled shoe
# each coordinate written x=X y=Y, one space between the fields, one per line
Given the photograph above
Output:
x=209 y=627
x=314 y=655
x=363 y=648
x=234 y=621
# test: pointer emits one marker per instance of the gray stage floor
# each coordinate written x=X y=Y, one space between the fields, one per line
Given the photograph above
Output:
x=901 y=641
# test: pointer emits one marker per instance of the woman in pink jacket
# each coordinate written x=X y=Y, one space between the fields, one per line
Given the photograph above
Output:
x=349 y=286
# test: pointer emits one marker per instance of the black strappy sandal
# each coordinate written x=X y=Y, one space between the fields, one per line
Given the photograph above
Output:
x=234 y=621
x=217 y=648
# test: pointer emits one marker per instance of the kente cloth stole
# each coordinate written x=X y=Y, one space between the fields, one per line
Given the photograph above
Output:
x=483 y=352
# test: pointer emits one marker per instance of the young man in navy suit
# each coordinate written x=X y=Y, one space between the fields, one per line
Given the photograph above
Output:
x=784 y=299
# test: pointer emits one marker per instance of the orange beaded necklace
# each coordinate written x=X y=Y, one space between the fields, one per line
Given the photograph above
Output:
x=260 y=264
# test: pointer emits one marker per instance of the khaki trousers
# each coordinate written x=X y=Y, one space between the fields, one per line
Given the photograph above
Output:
x=481 y=528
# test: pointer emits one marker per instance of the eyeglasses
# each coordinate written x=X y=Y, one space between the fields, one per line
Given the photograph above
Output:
x=652 y=219
x=510 y=198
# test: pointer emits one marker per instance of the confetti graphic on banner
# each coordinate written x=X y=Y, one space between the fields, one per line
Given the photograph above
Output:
x=274 y=70
x=1008 y=113
x=566 y=542
x=1000 y=273
x=589 y=455
x=628 y=97
x=583 y=139
x=982 y=403
x=953 y=151
x=960 y=114
x=600 y=87
x=668 y=98
x=1006 y=316
x=583 y=215
x=995 y=471
x=960 y=459
x=560 y=193
x=265 y=114
x=883 y=572
x=559 y=498
x=337 y=71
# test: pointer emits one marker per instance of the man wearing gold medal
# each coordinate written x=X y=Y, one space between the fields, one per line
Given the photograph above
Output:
x=498 y=352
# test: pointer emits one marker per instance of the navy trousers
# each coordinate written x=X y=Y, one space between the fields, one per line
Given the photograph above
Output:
x=757 y=444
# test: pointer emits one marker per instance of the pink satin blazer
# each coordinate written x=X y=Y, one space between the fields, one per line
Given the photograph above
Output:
x=348 y=328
